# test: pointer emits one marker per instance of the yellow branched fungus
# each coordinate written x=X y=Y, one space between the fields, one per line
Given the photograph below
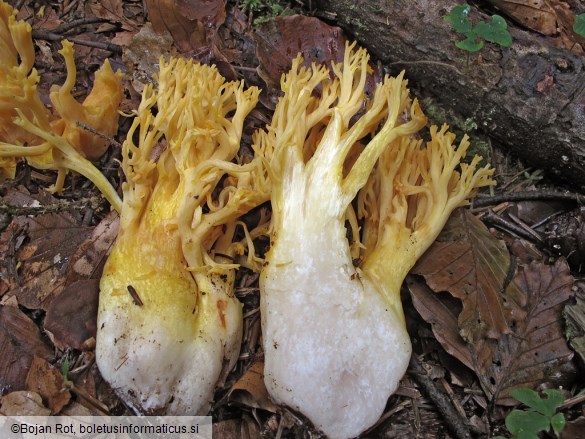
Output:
x=99 y=110
x=29 y=130
x=334 y=334
x=168 y=321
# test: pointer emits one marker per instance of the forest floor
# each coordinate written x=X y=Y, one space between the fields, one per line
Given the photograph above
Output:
x=524 y=241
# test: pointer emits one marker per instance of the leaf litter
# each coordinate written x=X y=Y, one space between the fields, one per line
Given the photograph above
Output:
x=497 y=313
x=509 y=327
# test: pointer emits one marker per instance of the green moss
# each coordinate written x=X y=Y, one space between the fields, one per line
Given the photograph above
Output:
x=438 y=115
x=264 y=10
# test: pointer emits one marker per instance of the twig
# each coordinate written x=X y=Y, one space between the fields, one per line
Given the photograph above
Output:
x=94 y=402
x=60 y=206
x=572 y=401
x=66 y=27
x=50 y=36
x=92 y=130
x=490 y=200
x=525 y=227
x=457 y=425
x=509 y=226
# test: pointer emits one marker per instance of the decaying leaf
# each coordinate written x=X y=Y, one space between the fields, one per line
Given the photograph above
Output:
x=250 y=390
x=71 y=318
x=38 y=251
x=191 y=24
x=90 y=257
x=112 y=11
x=547 y=17
x=574 y=429
x=23 y=403
x=282 y=38
x=466 y=261
x=20 y=341
x=516 y=339
x=537 y=15
x=142 y=55
x=575 y=319
x=48 y=382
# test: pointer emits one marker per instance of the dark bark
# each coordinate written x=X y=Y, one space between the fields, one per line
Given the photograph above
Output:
x=529 y=97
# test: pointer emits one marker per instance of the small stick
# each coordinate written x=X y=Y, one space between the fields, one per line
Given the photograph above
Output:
x=509 y=226
x=50 y=36
x=481 y=200
x=458 y=425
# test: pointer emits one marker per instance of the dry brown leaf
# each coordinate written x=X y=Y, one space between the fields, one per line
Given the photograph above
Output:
x=142 y=55
x=113 y=11
x=48 y=21
x=282 y=38
x=48 y=382
x=468 y=262
x=71 y=318
x=548 y=17
x=575 y=319
x=209 y=12
x=191 y=24
x=537 y=15
x=568 y=38
x=23 y=403
x=250 y=390
x=89 y=259
x=531 y=349
x=574 y=429
x=37 y=251
x=20 y=341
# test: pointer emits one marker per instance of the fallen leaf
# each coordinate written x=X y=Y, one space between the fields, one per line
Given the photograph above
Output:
x=71 y=318
x=517 y=337
x=23 y=403
x=282 y=38
x=113 y=11
x=191 y=24
x=90 y=257
x=469 y=263
x=553 y=18
x=209 y=12
x=48 y=382
x=569 y=39
x=537 y=15
x=20 y=341
x=38 y=249
x=48 y=21
x=250 y=390
x=574 y=429
x=575 y=320
x=142 y=55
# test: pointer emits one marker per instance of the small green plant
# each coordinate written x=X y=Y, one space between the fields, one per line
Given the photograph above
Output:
x=65 y=369
x=579 y=26
x=540 y=415
x=494 y=32
x=264 y=10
